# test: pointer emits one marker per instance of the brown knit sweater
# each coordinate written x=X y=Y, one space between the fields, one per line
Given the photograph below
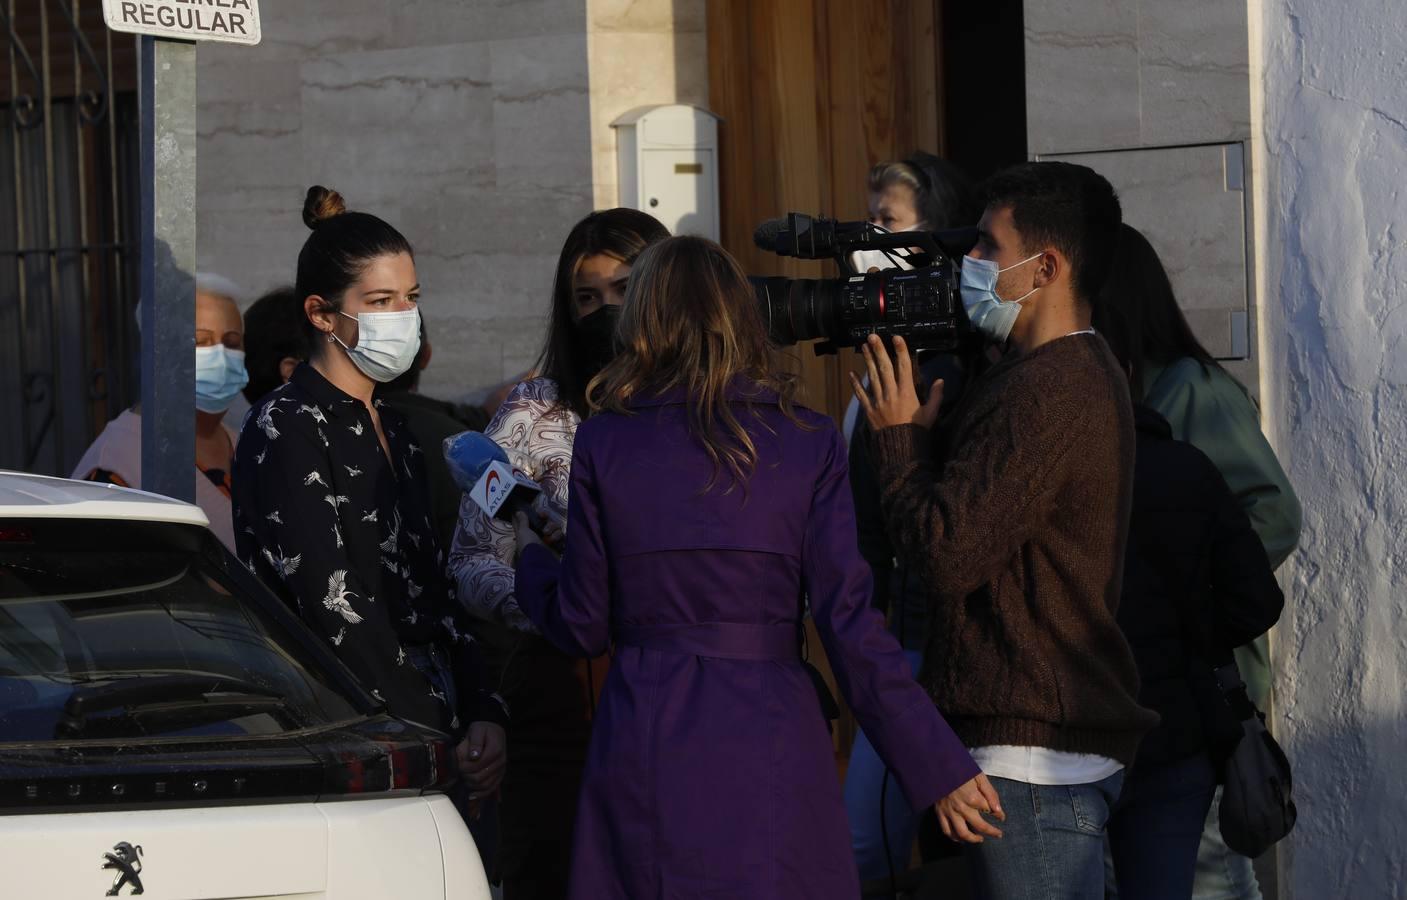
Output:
x=1019 y=537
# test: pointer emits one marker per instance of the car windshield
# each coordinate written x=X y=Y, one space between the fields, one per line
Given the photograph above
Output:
x=118 y=630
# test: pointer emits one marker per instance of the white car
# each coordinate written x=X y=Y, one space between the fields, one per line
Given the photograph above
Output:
x=169 y=729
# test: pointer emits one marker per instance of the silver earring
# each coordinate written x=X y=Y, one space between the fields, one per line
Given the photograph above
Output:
x=331 y=339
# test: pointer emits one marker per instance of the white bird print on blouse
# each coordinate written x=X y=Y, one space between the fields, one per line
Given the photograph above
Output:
x=340 y=636
x=356 y=429
x=316 y=413
x=392 y=543
x=413 y=590
x=337 y=594
x=336 y=500
x=281 y=564
x=265 y=421
x=275 y=517
x=315 y=477
x=260 y=457
x=337 y=534
x=400 y=656
x=369 y=517
x=438 y=696
x=352 y=471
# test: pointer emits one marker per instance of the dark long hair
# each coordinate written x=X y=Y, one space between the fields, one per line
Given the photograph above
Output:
x=338 y=251
x=273 y=331
x=621 y=233
x=1138 y=313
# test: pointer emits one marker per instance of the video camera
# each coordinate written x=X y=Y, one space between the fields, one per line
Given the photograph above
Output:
x=921 y=304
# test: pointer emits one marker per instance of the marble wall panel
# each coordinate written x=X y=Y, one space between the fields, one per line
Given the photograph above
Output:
x=395 y=126
x=541 y=112
x=430 y=22
x=1194 y=71
x=1082 y=70
x=465 y=124
x=1193 y=214
x=1114 y=74
x=481 y=128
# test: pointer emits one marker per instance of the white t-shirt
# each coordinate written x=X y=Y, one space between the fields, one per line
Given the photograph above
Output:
x=1041 y=765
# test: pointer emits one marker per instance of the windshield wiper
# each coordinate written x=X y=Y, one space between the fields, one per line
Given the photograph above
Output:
x=145 y=690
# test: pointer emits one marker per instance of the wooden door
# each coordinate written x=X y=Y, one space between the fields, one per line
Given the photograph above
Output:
x=812 y=94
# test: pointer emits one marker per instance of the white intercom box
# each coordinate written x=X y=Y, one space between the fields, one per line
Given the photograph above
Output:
x=668 y=166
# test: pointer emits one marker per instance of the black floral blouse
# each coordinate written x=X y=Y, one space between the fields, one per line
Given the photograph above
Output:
x=343 y=535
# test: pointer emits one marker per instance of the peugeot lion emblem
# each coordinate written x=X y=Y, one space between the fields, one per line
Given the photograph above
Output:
x=127 y=860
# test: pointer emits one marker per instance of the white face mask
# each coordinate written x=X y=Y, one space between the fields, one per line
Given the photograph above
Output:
x=387 y=343
x=864 y=260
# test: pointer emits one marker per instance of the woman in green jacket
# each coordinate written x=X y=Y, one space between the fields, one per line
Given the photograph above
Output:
x=1175 y=375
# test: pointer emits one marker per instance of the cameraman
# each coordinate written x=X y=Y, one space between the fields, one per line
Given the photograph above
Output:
x=1015 y=521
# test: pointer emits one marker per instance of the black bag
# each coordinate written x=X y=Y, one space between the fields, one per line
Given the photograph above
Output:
x=1257 y=809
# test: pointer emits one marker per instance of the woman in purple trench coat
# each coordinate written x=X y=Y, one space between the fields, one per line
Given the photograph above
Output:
x=705 y=515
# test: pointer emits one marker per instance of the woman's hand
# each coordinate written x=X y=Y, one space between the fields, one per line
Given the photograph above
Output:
x=483 y=758
x=524 y=534
x=892 y=398
x=553 y=536
x=960 y=813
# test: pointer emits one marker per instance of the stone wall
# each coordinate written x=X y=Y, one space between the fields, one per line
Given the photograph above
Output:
x=480 y=128
x=1334 y=365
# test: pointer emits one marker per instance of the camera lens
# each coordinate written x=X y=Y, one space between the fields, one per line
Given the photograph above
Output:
x=797 y=309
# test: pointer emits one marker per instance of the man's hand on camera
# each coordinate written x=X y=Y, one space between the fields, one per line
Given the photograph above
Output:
x=892 y=398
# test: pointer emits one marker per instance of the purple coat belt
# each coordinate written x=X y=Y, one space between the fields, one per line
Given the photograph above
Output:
x=719 y=640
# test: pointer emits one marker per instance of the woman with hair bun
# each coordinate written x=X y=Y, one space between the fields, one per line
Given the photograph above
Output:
x=330 y=502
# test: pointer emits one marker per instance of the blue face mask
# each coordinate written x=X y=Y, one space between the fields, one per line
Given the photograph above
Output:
x=219 y=376
x=989 y=314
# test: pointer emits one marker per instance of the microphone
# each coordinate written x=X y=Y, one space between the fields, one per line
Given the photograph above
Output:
x=481 y=469
x=806 y=237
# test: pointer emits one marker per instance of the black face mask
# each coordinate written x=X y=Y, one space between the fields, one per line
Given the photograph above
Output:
x=596 y=337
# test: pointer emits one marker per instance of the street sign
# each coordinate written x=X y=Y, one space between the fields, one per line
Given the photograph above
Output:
x=231 y=21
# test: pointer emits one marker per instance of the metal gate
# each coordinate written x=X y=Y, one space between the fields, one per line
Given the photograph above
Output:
x=68 y=230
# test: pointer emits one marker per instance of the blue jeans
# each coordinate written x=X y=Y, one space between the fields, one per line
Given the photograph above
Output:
x=863 y=779
x=1222 y=873
x=1156 y=827
x=1053 y=843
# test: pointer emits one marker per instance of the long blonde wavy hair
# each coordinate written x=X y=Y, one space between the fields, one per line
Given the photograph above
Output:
x=691 y=321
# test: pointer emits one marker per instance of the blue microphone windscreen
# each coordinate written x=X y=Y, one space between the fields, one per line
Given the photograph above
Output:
x=468 y=454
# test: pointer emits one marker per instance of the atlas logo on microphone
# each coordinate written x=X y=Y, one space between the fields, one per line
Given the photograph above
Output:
x=482 y=470
x=497 y=483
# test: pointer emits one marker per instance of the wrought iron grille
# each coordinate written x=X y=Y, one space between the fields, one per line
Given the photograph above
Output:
x=68 y=230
